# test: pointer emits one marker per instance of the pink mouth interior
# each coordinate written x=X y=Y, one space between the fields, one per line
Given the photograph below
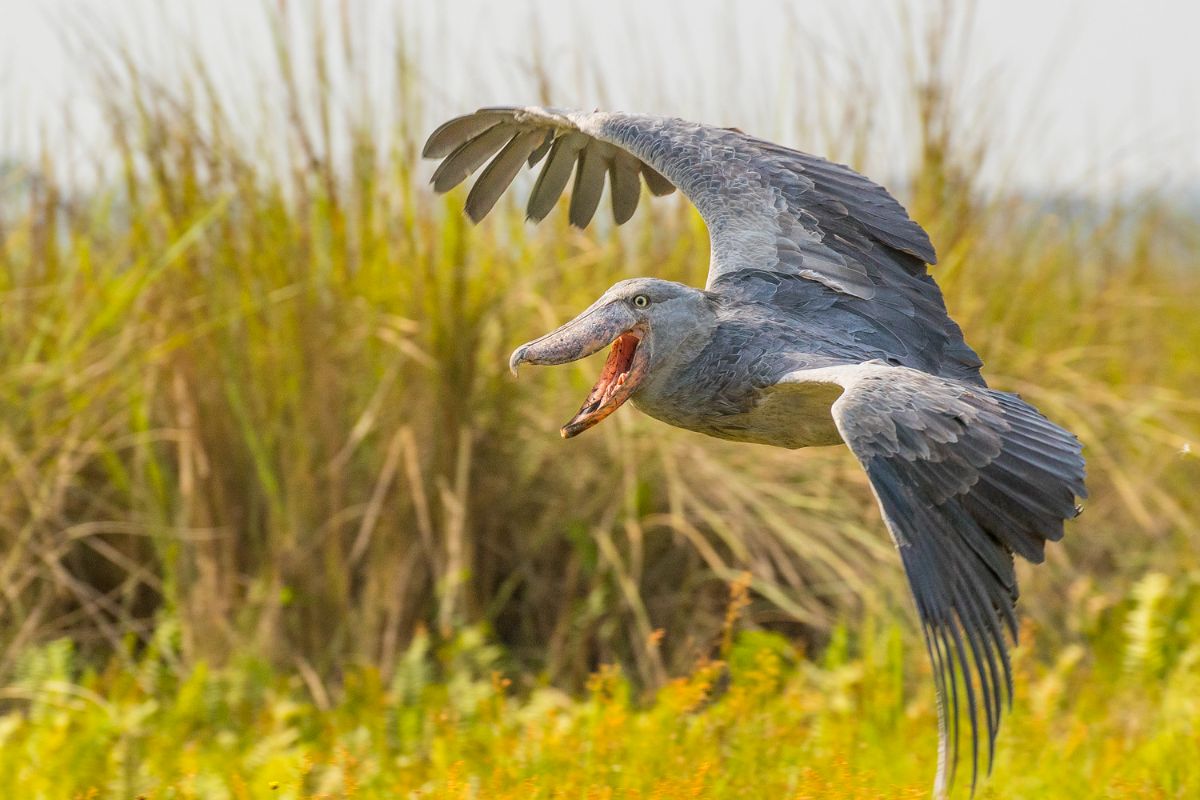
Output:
x=616 y=371
x=612 y=388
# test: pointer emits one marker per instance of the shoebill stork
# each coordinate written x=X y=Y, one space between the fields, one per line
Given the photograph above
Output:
x=819 y=325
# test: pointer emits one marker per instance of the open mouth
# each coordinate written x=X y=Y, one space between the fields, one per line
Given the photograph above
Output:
x=622 y=372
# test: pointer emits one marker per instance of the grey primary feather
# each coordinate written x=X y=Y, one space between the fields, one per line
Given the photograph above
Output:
x=655 y=182
x=589 y=184
x=626 y=188
x=500 y=173
x=469 y=156
x=540 y=151
x=458 y=130
x=554 y=175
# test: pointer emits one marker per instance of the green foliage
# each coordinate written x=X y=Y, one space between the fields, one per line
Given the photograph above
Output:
x=856 y=725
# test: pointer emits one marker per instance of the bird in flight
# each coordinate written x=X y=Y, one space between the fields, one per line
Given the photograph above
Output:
x=819 y=325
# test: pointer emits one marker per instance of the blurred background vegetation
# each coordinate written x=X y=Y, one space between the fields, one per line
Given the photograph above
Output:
x=263 y=469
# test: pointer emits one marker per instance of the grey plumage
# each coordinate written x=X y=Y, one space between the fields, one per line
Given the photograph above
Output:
x=626 y=189
x=947 y=462
x=655 y=182
x=540 y=151
x=819 y=324
x=554 y=175
x=450 y=135
x=589 y=184
x=500 y=173
x=467 y=157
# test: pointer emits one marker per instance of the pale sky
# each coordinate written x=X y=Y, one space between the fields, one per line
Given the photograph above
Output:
x=1078 y=95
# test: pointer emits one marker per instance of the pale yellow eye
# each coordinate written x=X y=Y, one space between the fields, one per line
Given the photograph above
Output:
x=641 y=301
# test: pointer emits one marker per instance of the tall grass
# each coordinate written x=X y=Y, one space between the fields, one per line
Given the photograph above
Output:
x=253 y=397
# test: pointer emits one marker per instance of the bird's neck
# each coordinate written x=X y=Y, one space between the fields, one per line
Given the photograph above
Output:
x=675 y=354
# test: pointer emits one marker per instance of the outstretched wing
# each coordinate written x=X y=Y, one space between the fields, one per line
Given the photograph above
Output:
x=779 y=220
x=768 y=208
x=965 y=477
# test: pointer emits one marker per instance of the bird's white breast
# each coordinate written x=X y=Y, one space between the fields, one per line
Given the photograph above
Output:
x=786 y=415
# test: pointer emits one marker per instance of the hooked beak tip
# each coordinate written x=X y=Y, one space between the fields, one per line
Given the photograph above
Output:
x=514 y=361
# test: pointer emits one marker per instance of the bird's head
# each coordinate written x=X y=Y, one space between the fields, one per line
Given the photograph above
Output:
x=645 y=320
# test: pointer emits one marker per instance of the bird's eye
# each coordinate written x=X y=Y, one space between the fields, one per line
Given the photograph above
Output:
x=641 y=301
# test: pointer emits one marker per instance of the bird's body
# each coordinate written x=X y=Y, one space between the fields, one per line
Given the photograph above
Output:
x=731 y=384
x=728 y=386
x=819 y=325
